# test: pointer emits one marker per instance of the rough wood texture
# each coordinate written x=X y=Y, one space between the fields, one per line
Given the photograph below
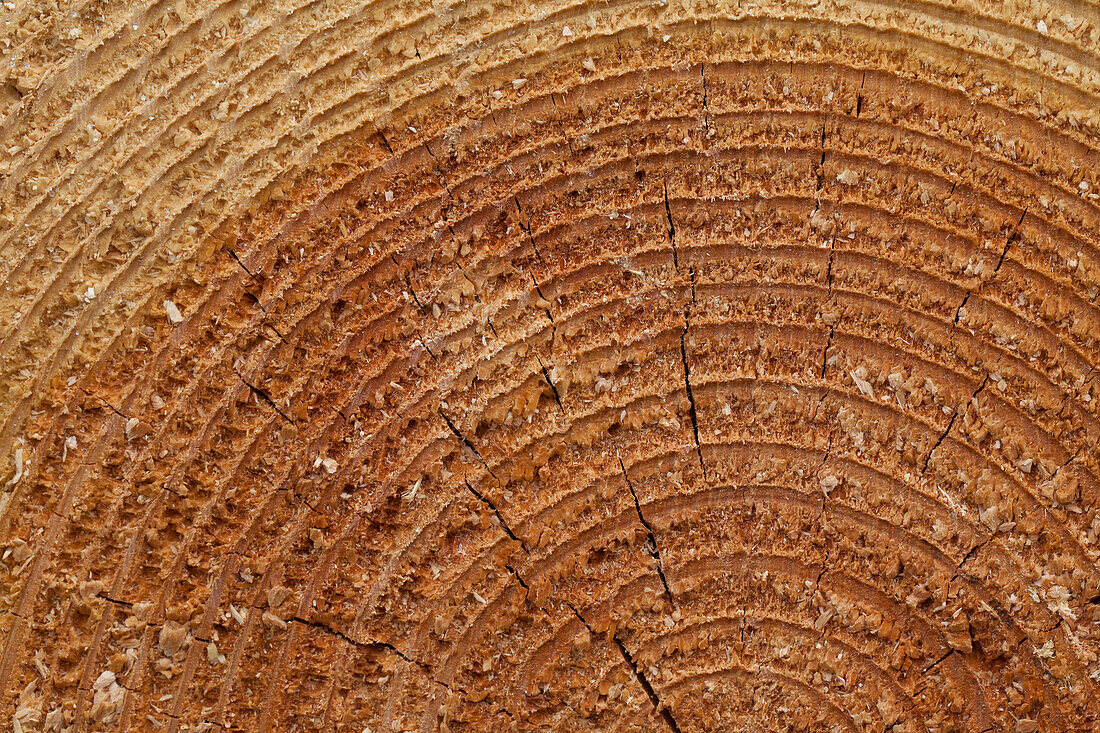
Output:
x=588 y=366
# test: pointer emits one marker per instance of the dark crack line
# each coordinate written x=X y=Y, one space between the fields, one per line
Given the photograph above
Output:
x=277 y=332
x=1008 y=240
x=829 y=299
x=256 y=301
x=265 y=397
x=337 y=410
x=549 y=317
x=819 y=175
x=936 y=663
x=473 y=285
x=650 y=691
x=691 y=400
x=442 y=182
x=111 y=407
x=1067 y=461
x=828 y=445
x=553 y=387
x=654 y=548
x=817 y=407
x=370 y=645
x=518 y=577
x=534 y=281
x=671 y=228
x=561 y=126
x=496 y=512
x=972 y=550
x=928 y=458
x=951 y=422
x=415 y=297
x=526 y=228
x=538 y=289
x=959 y=310
x=1000 y=261
x=969 y=553
x=243 y=266
x=385 y=143
x=647 y=686
x=420 y=338
x=824 y=566
x=975 y=393
x=468 y=444
x=1004 y=252
x=825 y=353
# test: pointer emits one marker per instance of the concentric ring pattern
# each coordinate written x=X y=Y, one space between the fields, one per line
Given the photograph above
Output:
x=476 y=365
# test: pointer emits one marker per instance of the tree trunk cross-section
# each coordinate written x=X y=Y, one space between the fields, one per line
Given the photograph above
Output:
x=557 y=365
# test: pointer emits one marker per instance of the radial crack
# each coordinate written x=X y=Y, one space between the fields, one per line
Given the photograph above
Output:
x=519 y=578
x=825 y=353
x=372 y=644
x=386 y=143
x=473 y=448
x=256 y=301
x=671 y=228
x=928 y=458
x=821 y=573
x=111 y=407
x=265 y=397
x=496 y=512
x=969 y=553
x=654 y=548
x=1067 y=461
x=647 y=686
x=829 y=267
x=553 y=388
x=420 y=338
x=959 y=310
x=561 y=127
x=412 y=292
x=1008 y=240
x=936 y=663
x=951 y=422
x=650 y=691
x=534 y=281
x=242 y=265
x=691 y=400
x=526 y=228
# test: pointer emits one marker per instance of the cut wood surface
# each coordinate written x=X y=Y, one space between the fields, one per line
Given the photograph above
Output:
x=480 y=365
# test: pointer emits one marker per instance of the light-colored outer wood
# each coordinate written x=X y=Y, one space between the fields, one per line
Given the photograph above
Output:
x=543 y=365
